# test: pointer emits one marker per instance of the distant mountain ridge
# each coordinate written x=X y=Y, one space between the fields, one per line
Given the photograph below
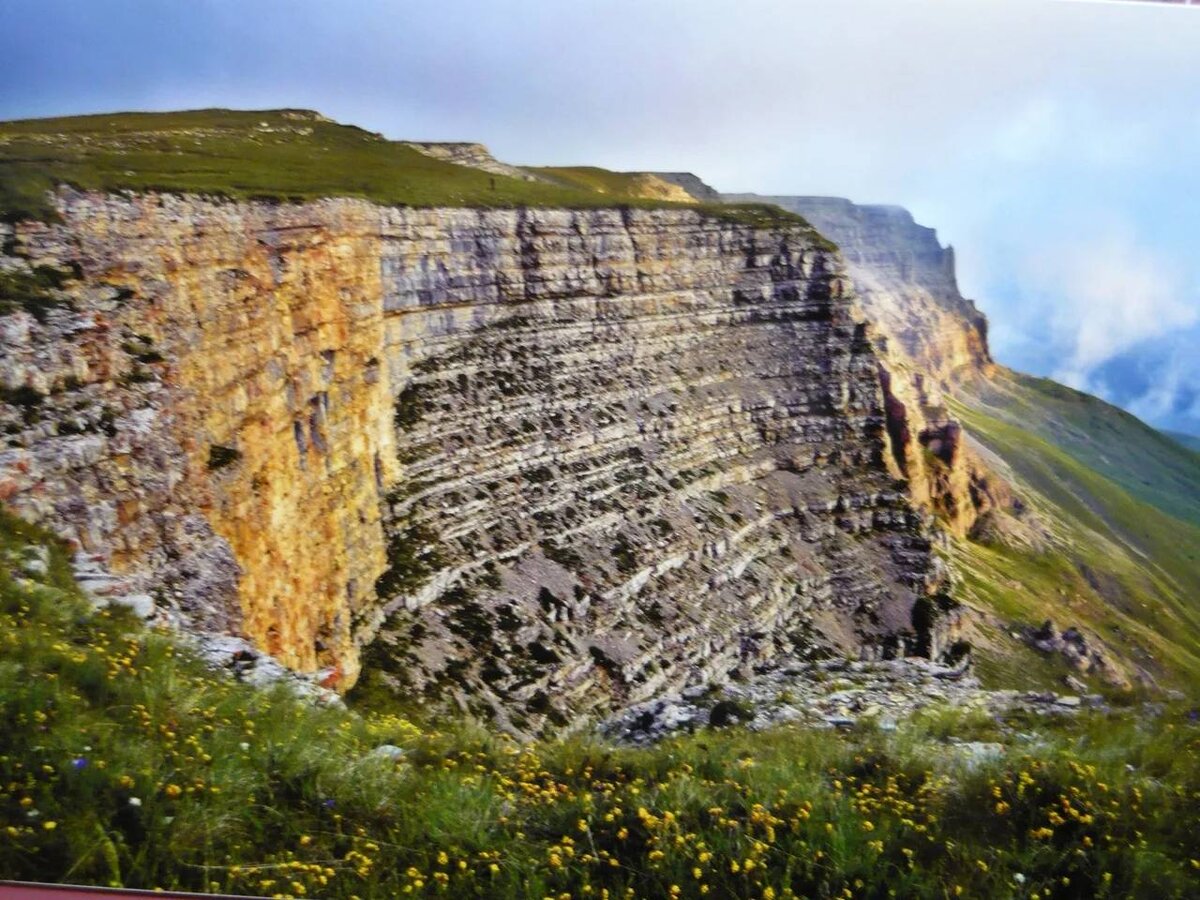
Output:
x=1191 y=441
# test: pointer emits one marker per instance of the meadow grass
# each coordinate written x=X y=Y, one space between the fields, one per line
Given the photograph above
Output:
x=1146 y=463
x=124 y=761
x=289 y=155
x=1118 y=564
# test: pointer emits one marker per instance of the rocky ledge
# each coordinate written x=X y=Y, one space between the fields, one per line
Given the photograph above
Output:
x=832 y=694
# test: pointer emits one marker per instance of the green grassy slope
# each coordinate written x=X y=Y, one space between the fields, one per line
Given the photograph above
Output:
x=124 y=762
x=279 y=154
x=1145 y=462
x=1120 y=502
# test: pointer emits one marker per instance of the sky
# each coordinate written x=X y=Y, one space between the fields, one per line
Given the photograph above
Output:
x=1055 y=144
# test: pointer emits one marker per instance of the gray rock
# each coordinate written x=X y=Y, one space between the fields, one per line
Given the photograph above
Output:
x=976 y=754
x=36 y=562
x=142 y=605
x=388 y=751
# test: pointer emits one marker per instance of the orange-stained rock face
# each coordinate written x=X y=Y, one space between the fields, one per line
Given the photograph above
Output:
x=267 y=321
x=573 y=455
x=281 y=321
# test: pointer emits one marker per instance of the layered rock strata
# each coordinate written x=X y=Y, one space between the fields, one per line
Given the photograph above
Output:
x=545 y=460
x=906 y=282
x=937 y=339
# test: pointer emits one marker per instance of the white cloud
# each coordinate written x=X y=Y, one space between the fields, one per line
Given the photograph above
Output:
x=1101 y=295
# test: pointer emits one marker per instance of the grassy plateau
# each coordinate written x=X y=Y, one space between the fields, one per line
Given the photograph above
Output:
x=291 y=155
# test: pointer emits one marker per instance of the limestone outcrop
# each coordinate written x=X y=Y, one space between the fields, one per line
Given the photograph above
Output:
x=906 y=284
x=539 y=461
x=905 y=280
x=469 y=154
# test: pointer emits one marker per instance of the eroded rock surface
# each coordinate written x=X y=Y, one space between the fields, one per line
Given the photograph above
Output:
x=835 y=694
x=542 y=461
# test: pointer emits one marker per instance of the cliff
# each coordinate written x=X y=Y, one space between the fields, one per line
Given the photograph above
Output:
x=906 y=285
x=554 y=459
x=905 y=280
x=1066 y=510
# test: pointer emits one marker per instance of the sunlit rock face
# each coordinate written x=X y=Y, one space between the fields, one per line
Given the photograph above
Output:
x=937 y=340
x=541 y=461
x=905 y=280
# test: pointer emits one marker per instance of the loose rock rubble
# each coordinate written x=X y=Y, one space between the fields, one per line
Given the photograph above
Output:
x=831 y=694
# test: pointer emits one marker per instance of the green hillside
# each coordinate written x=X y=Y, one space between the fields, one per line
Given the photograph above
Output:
x=124 y=762
x=1120 y=504
x=1118 y=445
x=283 y=155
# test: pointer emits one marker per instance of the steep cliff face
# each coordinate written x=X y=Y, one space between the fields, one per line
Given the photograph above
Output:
x=905 y=280
x=224 y=371
x=937 y=339
x=1019 y=469
x=640 y=449
x=558 y=457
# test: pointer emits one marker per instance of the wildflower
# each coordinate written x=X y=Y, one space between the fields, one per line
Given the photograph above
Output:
x=79 y=763
x=172 y=790
x=305 y=840
x=50 y=825
x=135 y=801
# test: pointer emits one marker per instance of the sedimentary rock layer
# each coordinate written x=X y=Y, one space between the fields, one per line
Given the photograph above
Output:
x=545 y=460
x=905 y=280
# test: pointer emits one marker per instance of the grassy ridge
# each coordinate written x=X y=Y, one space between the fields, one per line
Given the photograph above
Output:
x=1120 y=564
x=123 y=761
x=1145 y=462
x=291 y=155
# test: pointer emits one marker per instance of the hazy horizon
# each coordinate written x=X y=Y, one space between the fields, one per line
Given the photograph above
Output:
x=1051 y=143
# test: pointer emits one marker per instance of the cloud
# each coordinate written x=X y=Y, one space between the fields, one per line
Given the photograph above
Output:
x=1103 y=295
